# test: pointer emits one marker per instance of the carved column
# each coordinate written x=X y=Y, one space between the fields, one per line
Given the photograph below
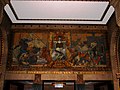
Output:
x=113 y=40
x=3 y=58
x=0 y=56
x=114 y=58
x=116 y=5
x=4 y=27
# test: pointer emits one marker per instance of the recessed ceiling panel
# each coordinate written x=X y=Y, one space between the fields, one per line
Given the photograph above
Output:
x=69 y=12
x=59 y=9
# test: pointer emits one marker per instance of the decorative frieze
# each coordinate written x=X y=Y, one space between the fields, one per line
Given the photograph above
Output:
x=75 y=28
x=58 y=75
x=59 y=72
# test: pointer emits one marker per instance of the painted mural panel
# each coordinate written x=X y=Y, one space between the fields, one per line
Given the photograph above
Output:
x=89 y=49
x=60 y=49
x=29 y=47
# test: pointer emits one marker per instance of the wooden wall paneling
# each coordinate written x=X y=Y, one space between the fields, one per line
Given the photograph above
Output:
x=92 y=77
x=19 y=76
x=58 y=77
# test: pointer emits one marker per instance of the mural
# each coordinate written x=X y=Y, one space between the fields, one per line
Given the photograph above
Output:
x=88 y=49
x=30 y=48
x=59 y=49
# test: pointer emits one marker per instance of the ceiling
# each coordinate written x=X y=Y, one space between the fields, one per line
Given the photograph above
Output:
x=60 y=12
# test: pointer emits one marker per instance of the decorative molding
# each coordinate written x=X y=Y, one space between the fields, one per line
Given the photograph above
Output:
x=37 y=79
x=4 y=57
x=114 y=2
x=118 y=75
x=66 y=0
x=4 y=2
x=36 y=69
x=80 y=79
x=55 y=19
x=107 y=76
x=5 y=26
x=10 y=76
x=1 y=47
x=60 y=27
x=59 y=77
x=59 y=72
x=114 y=55
x=116 y=5
x=118 y=20
x=117 y=12
x=114 y=44
x=114 y=50
x=118 y=51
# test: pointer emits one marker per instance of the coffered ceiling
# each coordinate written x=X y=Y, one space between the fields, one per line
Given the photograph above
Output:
x=61 y=12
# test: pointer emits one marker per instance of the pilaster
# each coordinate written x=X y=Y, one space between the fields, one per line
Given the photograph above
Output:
x=114 y=58
x=4 y=58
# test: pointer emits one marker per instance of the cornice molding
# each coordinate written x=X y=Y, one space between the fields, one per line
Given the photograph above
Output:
x=4 y=2
x=116 y=5
x=114 y=2
x=58 y=27
x=117 y=9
